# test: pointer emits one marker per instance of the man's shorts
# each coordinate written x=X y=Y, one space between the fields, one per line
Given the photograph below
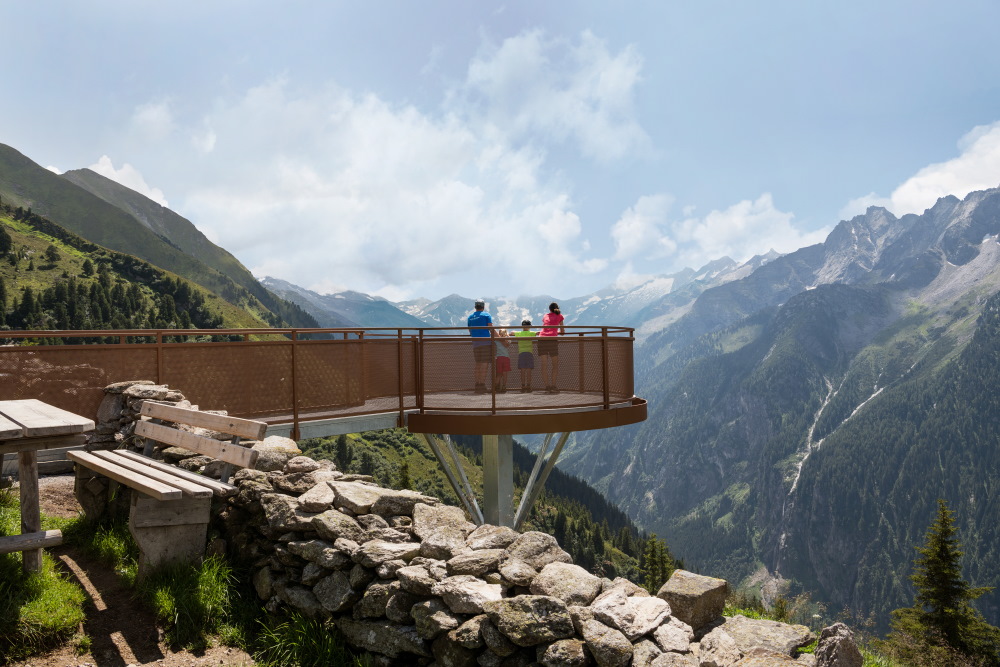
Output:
x=503 y=364
x=482 y=353
x=526 y=361
x=548 y=346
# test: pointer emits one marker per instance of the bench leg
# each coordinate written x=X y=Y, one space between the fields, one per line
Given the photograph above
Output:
x=92 y=492
x=168 y=531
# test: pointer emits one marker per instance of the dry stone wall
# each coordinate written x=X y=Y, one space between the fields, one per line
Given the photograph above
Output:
x=413 y=582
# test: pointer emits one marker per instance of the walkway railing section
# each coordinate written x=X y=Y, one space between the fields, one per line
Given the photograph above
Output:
x=296 y=375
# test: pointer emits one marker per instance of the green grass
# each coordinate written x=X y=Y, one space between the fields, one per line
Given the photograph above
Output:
x=190 y=600
x=38 y=610
x=300 y=641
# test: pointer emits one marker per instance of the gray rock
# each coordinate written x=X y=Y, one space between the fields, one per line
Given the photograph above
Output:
x=762 y=657
x=349 y=547
x=517 y=572
x=283 y=513
x=634 y=616
x=495 y=640
x=565 y=653
x=609 y=647
x=273 y=452
x=383 y=637
x=360 y=576
x=332 y=524
x=718 y=649
x=311 y=550
x=432 y=618
x=442 y=530
x=449 y=652
x=300 y=464
x=400 y=503
x=476 y=563
x=468 y=634
x=375 y=600
x=537 y=550
x=374 y=553
x=751 y=633
x=674 y=635
x=465 y=594
x=356 y=496
x=263 y=583
x=623 y=583
x=312 y=573
x=398 y=607
x=298 y=483
x=570 y=583
x=580 y=615
x=488 y=536
x=644 y=652
x=695 y=599
x=676 y=660
x=416 y=579
x=302 y=599
x=317 y=499
x=389 y=568
x=335 y=593
x=528 y=620
x=837 y=648
x=371 y=521
x=386 y=534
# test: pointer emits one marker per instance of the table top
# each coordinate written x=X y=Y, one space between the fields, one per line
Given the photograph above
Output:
x=31 y=418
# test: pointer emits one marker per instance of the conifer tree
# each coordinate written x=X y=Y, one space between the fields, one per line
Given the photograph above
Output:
x=403 y=476
x=942 y=617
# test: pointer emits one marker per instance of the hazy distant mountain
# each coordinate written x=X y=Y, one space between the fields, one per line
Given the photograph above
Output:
x=807 y=416
x=343 y=309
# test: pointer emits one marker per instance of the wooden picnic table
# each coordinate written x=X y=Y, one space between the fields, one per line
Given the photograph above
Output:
x=27 y=426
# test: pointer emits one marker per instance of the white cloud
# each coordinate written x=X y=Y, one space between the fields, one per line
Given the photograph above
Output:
x=128 y=176
x=532 y=85
x=977 y=167
x=54 y=170
x=154 y=120
x=747 y=228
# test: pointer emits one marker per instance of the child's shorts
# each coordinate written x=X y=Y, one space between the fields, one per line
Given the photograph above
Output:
x=503 y=364
x=526 y=361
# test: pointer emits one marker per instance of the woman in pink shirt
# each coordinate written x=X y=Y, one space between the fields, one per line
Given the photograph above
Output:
x=548 y=347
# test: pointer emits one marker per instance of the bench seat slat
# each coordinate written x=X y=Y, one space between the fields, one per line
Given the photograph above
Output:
x=130 y=478
x=29 y=541
x=224 y=451
x=219 y=488
x=245 y=428
x=189 y=488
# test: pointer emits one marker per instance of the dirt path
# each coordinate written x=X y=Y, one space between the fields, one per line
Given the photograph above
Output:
x=122 y=631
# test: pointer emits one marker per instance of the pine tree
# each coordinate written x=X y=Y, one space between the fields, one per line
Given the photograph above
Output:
x=403 y=476
x=344 y=453
x=942 y=616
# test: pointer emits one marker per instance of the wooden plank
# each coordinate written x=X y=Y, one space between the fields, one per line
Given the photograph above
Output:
x=245 y=428
x=10 y=430
x=41 y=419
x=31 y=516
x=218 y=487
x=38 y=444
x=189 y=488
x=130 y=478
x=147 y=512
x=30 y=541
x=224 y=451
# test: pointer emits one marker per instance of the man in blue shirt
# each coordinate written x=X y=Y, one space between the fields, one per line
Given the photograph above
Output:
x=482 y=347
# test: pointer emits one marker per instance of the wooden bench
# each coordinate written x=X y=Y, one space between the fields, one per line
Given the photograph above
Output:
x=170 y=507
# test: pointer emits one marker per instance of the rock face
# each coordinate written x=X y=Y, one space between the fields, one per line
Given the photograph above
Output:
x=412 y=580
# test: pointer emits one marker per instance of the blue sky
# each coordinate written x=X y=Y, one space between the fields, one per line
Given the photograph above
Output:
x=423 y=148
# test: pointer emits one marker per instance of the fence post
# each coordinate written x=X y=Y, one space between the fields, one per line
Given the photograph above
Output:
x=605 y=363
x=295 y=387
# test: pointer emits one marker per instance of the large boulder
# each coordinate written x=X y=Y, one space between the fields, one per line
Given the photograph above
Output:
x=476 y=563
x=750 y=633
x=537 y=550
x=674 y=636
x=283 y=513
x=375 y=599
x=332 y=524
x=273 y=452
x=401 y=503
x=836 y=648
x=355 y=496
x=442 y=530
x=570 y=583
x=465 y=594
x=335 y=593
x=383 y=637
x=374 y=553
x=416 y=579
x=528 y=620
x=564 y=653
x=432 y=618
x=693 y=598
x=634 y=616
x=449 y=652
x=488 y=536
x=609 y=647
x=317 y=499
x=718 y=649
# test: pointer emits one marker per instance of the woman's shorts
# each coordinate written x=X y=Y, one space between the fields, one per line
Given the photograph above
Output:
x=503 y=364
x=526 y=361
x=548 y=346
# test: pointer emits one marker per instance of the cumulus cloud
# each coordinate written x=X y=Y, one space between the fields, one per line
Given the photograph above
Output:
x=578 y=92
x=747 y=228
x=128 y=176
x=977 y=167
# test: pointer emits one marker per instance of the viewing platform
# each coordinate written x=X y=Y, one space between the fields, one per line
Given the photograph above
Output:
x=318 y=382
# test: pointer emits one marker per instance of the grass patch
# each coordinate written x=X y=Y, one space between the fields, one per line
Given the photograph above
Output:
x=37 y=610
x=298 y=640
x=190 y=600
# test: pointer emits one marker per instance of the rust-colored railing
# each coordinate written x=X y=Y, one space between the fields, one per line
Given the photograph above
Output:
x=295 y=375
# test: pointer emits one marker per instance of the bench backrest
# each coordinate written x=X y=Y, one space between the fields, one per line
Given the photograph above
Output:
x=230 y=452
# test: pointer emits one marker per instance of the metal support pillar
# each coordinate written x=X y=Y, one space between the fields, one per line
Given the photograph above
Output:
x=498 y=480
x=536 y=482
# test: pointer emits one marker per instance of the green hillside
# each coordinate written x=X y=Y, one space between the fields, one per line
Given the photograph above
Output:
x=26 y=185
x=53 y=279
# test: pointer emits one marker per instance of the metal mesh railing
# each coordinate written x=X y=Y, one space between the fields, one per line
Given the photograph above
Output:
x=293 y=375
